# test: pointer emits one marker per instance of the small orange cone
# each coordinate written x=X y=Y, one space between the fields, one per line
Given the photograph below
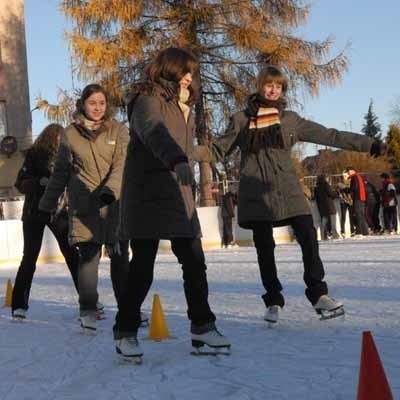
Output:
x=372 y=382
x=8 y=298
x=158 y=326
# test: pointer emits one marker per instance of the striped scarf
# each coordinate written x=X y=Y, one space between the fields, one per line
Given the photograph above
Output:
x=264 y=123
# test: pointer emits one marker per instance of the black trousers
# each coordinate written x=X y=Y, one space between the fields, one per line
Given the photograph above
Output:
x=227 y=231
x=390 y=218
x=359 y=217
x=189 y=253
x=344 y=208
x=306 y=236
x=89 y=259
x=33 y=236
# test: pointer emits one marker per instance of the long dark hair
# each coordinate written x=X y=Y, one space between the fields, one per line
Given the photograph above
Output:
x=87 y=92
x=172 y=64
x=47 y=141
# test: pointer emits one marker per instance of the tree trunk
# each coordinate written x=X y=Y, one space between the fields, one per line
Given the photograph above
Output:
x=206 y=198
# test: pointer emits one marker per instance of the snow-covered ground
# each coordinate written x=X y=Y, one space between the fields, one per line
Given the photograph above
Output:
x=47 y=357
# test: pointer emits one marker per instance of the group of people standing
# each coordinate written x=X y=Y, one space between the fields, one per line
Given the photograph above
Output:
x=360 y=202
x=138 y=190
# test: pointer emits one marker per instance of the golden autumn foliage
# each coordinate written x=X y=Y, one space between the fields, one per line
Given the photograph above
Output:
x=112 y=40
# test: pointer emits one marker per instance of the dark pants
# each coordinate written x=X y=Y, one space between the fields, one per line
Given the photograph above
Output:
x=344 y=208
x=33 y=236
x=306 y=236
x=90 y=254
x=227 y=231
x=390 y=218
x=189 y=253
x=359 y=217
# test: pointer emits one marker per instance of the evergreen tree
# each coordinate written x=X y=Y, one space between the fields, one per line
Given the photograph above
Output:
x=112 y=40
x=371 y=127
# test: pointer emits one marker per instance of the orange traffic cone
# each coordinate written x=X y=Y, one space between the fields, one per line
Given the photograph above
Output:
x=8 y=298
x=372 y=382
x=158 y=326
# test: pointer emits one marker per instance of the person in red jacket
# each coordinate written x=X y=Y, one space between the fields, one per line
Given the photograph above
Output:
x=359 y=196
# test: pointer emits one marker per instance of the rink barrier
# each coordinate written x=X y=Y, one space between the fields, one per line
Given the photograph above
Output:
x=11 y=247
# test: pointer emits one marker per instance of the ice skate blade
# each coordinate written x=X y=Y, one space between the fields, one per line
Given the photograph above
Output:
x=270 y=324
x=209 y=350
x=88 y=331
x=134 y=359
x=18 y=319
x=325 y=315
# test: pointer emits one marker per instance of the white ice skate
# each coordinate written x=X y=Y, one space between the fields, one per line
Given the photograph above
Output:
x=271 y=315
x=100 y=313
x=327 y=307
x=129 y=349
x=89 y=324
x=217 y=343
x=19 y=314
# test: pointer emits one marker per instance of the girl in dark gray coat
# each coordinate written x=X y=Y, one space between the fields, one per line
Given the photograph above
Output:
x=269 y=191
x=157 y=199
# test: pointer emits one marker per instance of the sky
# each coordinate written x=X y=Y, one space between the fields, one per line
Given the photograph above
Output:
x=369 y=26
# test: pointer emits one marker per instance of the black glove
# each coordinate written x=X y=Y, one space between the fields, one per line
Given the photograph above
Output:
x=378 y=148
x=184 y=173
x=107 y=198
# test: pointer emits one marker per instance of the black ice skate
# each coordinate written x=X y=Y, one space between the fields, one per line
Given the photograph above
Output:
x=129 y=349
x=216 y=344
x=100 y=313
x=328 y=308
x=144 y=320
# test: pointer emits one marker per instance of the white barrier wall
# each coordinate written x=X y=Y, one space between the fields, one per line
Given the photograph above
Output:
x=11 y=237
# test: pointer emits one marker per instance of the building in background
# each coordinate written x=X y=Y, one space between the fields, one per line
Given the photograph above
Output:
x=15 y=116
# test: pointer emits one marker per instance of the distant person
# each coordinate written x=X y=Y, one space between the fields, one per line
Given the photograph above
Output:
x=228 y=203
x=346 y=208
x=359 y=197
x=32 y=180
x=324 y=197
x=389 y=204
x=372 y=207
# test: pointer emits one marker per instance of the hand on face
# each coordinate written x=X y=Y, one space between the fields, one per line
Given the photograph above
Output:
x=186 y=81
x=95 y=106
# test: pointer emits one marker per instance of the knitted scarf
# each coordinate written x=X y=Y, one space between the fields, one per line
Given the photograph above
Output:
x=87 y=128
x=264 y=123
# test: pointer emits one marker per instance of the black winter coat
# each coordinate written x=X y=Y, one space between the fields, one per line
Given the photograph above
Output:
x=269 y=189
x=36 y=166
x=324 y=196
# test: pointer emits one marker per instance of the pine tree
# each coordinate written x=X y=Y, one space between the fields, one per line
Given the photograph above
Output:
x=112 y=40
x=371 y=127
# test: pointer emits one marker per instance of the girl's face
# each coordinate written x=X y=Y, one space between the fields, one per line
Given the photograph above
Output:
x=95 y=106
x=185 y=82
x=272 y=91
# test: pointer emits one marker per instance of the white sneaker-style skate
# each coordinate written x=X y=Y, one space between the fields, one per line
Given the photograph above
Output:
x=129 y=349
x=327 y=307
x=217 y=342
x=100 y=313
x=89 y=324
x=272 y=314
x=19 y=314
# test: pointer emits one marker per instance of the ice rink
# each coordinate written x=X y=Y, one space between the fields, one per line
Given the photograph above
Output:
x=302 y=358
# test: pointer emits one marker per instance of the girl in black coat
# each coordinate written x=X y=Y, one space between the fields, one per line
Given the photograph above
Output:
x=31 y=181
x=269 y=190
